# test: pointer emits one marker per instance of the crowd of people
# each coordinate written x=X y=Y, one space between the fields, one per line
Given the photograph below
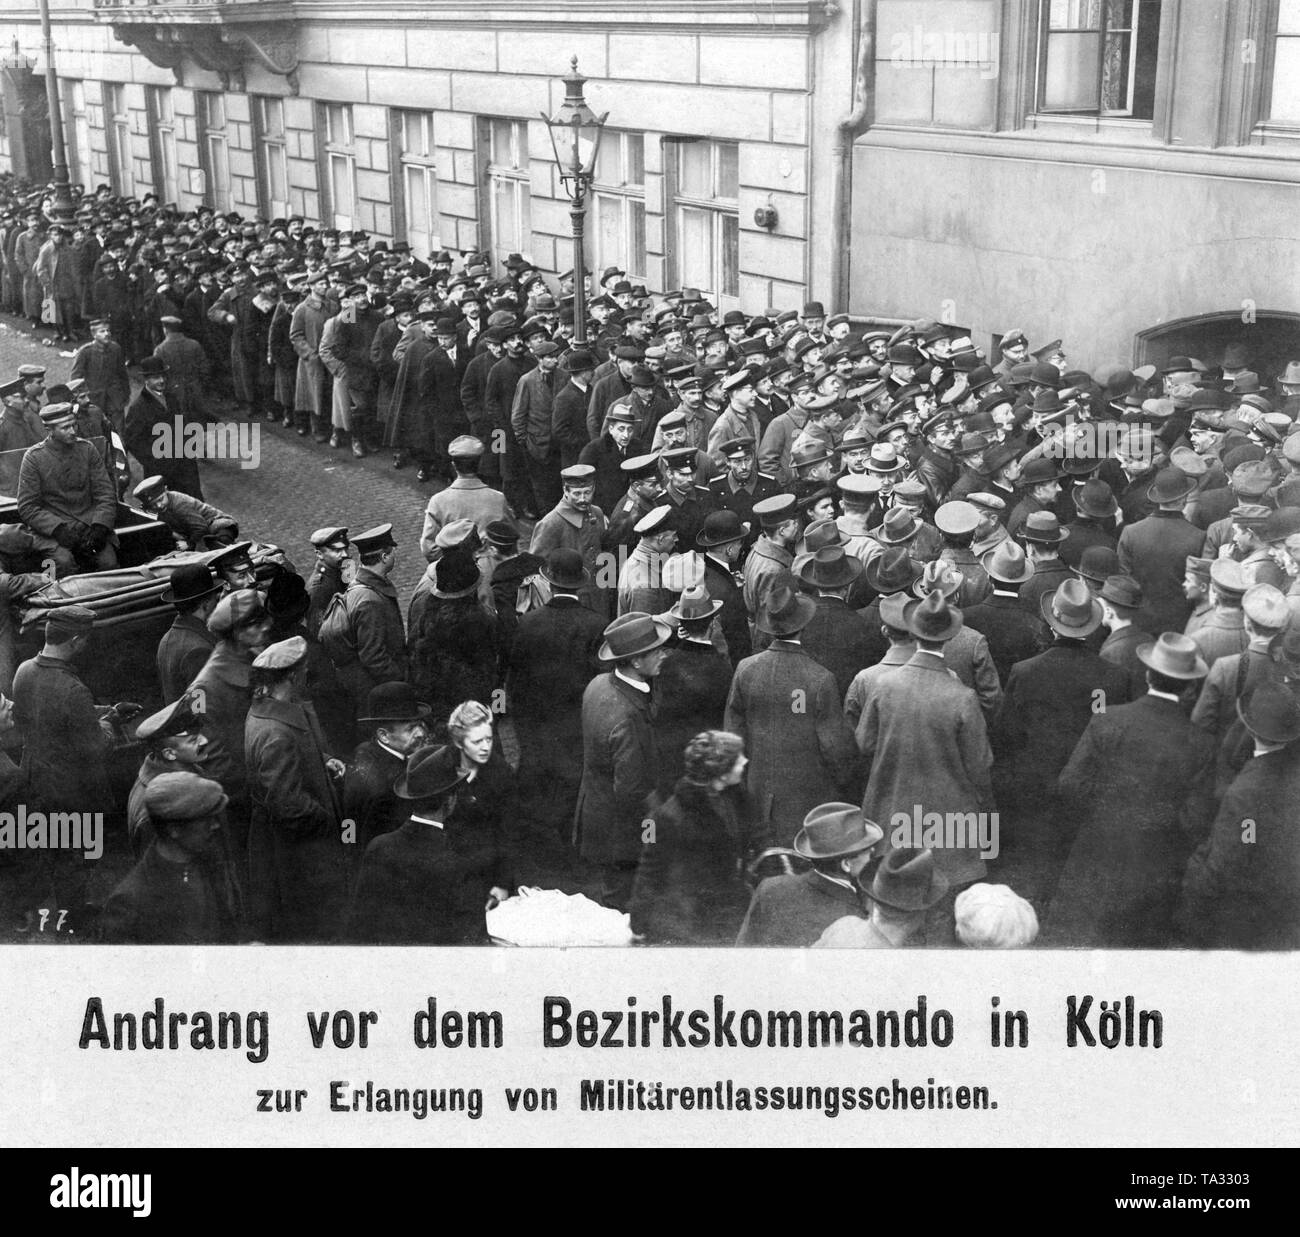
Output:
x=805 y=633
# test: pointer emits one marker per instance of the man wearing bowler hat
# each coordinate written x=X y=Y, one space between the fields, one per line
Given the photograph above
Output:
x=793 y=911
x=569 y=406
x=1137 y=792
x=1039 y=484
x=186 y=645
x=1093 y=523
x=1048 y=703
x=722 y=541
x=1242 y=890
x=619 y=760
x=1154 y=551
x=904 y=887
x=786 y=706
x=552 y=659
x=1121 y=615
x=836 y=636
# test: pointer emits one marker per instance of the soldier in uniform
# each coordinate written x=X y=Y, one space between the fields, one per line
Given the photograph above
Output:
x=378 y=636
x=186 y=645
x=174 y=743
x=187 y=370
x=65 y=496
x=577 y=524
x=692 y=502
x=644 y=493
x=773 y=553
x=742 y=485
x=194 y=524
x=326 y=579
x=468 y=497
x=16 y=430
x=101 y=364
x=234 y=567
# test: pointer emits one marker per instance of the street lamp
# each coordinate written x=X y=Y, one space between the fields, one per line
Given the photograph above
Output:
x=575 y=135
x=62 y=208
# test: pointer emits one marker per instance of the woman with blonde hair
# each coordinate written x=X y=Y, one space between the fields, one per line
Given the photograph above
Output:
x=486 y=799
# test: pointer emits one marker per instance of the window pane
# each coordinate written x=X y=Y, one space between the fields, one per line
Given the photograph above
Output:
x=1288 y=17
x=635 y=168
x=417 y=203
x=341 y=190
x=695 y=247
x=219 y=173
x=216 y=111
x=1286 y=81
x=1073 y=61
x=728 y=171
x=272 y=118
x=609 y=160
x=636 y=239
x=507 y=218
x=1114 y=73
x=1075 y=15
x=277 y=182
x=609 y=231
x=695 y=169
x=730 y=275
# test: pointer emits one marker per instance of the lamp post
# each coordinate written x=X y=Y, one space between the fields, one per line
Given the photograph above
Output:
x=575 y=135
x=62 y=208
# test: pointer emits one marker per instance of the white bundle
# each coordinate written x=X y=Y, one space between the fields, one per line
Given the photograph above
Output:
x=550 y=917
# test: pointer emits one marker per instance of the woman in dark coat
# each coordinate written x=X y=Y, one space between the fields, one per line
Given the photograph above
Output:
x=690 y=887
x=486 y=799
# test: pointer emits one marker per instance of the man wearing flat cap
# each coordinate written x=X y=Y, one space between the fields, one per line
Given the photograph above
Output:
x=298 y=877
x=66 y=497
x=619 y=754
x=796 y=755
x=1220 y=631
x=793 y=911
x=1137 y=790
x=468 y=497
x=179 y=893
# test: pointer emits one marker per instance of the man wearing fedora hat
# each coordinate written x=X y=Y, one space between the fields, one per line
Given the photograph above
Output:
x=1135 y=792
x=794 y=910
x=887 y=612
x=1093 y=523
x=398 y=728
x=1243 y=892
x=186 y=644
x=924 y=742
x=836 y=636
x=693 y=684
x=552 y=659
x=786 y=706
x=1121 y=615
x=618 y=752
x=1154 y=551
x=1012 y=632
x=1042 y=537
x=1049 y=701
x=1039 y=484
x=722 y=541
x=904 y=887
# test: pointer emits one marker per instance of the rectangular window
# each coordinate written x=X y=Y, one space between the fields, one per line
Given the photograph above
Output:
x=618 y=202
x=119 y=140
x=509 y=192
x=80 y=169
x=706 y=219
x=272 y=164
x=214 y=150
x=1284 y=101
x=419 y=181
x=162 y=135
x=340 y=165
x=1098 y=57
x=937 y=63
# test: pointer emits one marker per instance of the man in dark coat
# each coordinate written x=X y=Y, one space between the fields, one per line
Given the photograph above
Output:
x=607 y=454
x=473 y=392
x=188 y=380
x=797 y=756
x=619 y=758
x=569 y=409
x=836 y=636
x=1094 y=521
x=297 y=863
x=102 y=366
x=326 y=579
x=1121 y=612
x=498 y=404
x=441 y=374
x=1013 y=634
x=156 y=433
x=721 y=539
x=179 y=893
x=1048 y=703
x=1042 y=539
x=186 y=645
x=693 y=684
x=378 y=638
x=1137 y=788
x=1242 y=887
x=1154 y=551
x=552 y=660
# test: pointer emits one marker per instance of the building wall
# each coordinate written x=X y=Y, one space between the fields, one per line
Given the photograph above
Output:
x=720 y=71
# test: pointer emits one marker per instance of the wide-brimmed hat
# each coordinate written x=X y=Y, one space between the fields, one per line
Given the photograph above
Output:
x=899 y=526
x=785 y=612
x=836 y=830
x=1072 y=610
x=694 y=604
x=430 y=774
x=1039 y=472
x=564 y=570
x=191 y=582
x=721 y=527
x=632 y=634
x=1170 y=485
x=287 y=599
x=1175 y=656
x=393 y=702
x=906 y=880
x=892 y=571
x=1122 y=591
x=1096 y=563
x=1271 y=713
x=1007 y=563
x=940 y=576
x=1043 y=528
x=1095 y=500
x=884 y=458
x=830 y=567
x=932 y=618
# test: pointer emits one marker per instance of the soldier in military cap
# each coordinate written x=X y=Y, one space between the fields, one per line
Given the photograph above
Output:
x=298 y=875
x=178 y=893
x=742 y=484
x=739 y=420
x=174 y=743
x=66 y=497
x=327 y=577
x=194 y=524
x=773 y=552
x=691 y=501
x=17 y=432
x=468 y=497
x=577 y=524
x=644 y=492
x=234 y=567
x=102 y=366
x=641 y=584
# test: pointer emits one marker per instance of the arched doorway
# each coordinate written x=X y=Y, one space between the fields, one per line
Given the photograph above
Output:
x=1271 y=339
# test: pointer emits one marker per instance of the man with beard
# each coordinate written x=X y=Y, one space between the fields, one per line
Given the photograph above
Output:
x=498 y=404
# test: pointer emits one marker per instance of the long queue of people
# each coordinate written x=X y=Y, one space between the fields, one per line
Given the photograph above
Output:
x=953 y=642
